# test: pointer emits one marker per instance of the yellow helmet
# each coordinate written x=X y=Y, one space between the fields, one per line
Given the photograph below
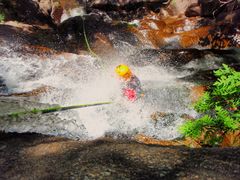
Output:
x=123 y=71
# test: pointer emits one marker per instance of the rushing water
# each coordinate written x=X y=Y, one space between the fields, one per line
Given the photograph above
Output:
x=83 y=79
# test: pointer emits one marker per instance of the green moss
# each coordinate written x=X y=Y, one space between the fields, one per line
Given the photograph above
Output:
x=2 y=17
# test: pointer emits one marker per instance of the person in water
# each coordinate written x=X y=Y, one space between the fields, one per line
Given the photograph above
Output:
x=131 y=86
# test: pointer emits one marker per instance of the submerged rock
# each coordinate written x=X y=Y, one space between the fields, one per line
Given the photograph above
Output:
x=180 y=57
x=3 y=87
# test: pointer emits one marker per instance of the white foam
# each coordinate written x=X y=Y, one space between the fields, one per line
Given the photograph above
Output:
x=80 y=81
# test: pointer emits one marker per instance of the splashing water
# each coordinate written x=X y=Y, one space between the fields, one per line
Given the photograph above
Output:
x=82 y=80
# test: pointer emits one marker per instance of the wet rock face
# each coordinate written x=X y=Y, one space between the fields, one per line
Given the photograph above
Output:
x=221 y=10
x=43 y=11
x=222 y=36
x=126 y=10
x=171 y=57
x=107 y=34
x=213 y=8
x=44 y=6
x=65 y=9
x=30 y=11
x=57 y=11
x=193 y=10
x=179 y=57
x=58 y=158
x=208 y=7
x=180 y=6
x=98 y=3
x=3 y=87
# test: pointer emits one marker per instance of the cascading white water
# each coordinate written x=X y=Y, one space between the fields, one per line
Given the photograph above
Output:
x=83 y=79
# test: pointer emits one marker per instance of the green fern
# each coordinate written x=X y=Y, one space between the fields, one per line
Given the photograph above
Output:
x=219 y=109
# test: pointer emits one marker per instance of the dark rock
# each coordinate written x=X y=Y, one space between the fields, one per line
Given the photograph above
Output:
x=17 y=34
x=54 y=12
x=199 y=64
x=171 y=57
x=126 y=10
x=222 y=36
x=215 y=8
x=51 y=12
x=206 y=77
x=3 y=87
x=30 y=11
x=68 y=36
x=221 y=10
x=11 y=33
x=202 y=77
x=193 y=10
x=230 y=17
x=100 y=3
x=208 y=7
x=111 y=159
x=95 y=24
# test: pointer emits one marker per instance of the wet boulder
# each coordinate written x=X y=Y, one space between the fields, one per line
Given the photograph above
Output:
x=214 y=8
x=30 y=11
x=193 y=10
x=52 y=12
x=111 y=36
x=126 y=10
x=182 y=32
x=99 y=3
x=185 y=59
x=65 y=9
x=221 y=10
x=179 y=7
x=170 y=57
x=3 y=87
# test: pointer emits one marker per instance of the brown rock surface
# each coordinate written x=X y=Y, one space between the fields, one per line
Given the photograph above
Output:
x=197 y=92
x=64 y=9
x=159 y=31
x=24 y=156
x=180 y=6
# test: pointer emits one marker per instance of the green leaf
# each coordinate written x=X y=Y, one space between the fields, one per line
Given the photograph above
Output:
x=219 y=109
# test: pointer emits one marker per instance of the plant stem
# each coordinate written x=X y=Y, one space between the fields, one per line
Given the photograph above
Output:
x=86 y=40
x=55 y=109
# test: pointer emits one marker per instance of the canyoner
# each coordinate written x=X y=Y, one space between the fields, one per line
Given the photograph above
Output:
x=131 y=86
